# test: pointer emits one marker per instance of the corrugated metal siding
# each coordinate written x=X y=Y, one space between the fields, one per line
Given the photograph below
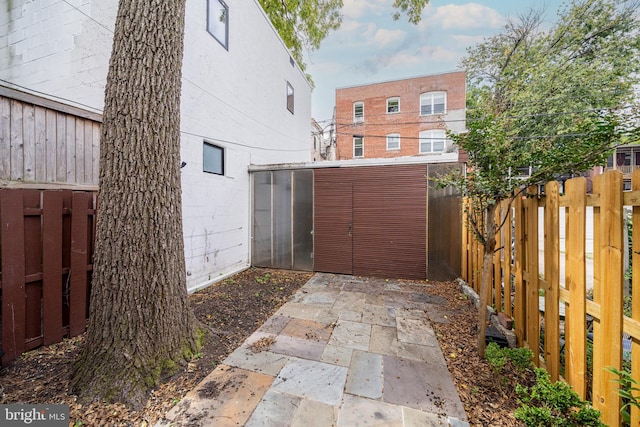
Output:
x=332 y=221
x=387 y=208
x=389 y=217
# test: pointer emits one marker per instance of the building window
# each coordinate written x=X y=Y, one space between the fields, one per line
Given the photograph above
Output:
x=289 y=97
x=393 y=141
x=432 y=141
x=433 y=103
x=212 y=159
x=358 y=146
x=358 y=112
x=393 y=105
x=218 y=21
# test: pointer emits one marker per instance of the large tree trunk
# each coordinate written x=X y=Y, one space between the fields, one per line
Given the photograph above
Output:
x=490 y=228
x=141 y=324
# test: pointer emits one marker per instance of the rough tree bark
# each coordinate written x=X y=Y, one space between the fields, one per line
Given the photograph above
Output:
x=141 y=324
x=490 y=228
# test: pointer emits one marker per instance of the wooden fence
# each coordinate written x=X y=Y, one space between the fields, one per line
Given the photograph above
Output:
x=46 y=251
x=562 y=326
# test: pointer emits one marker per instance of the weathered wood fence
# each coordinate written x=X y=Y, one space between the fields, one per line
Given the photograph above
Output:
x=46 y=250
x=561 y=325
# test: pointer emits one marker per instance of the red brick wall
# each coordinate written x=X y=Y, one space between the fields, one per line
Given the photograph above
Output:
x=408 y=122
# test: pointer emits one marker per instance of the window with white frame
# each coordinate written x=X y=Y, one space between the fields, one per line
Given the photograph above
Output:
x=358 y=112
x=393 y=141
x=212 y=158
x=432 y=141
x=358 y=146
x=218 y=21
x=433 y=103
x=290 y=97
x=393 y=105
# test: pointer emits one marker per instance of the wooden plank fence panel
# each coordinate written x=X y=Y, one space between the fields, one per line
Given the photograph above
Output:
x=465 y=243
x=552 y=279
x=611 y=250
x=497 y=271
x=79 y=261
x=13 y=273
x=575 y=330
x=52 y=267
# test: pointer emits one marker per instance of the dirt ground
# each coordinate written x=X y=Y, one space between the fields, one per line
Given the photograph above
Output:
x=231 y=311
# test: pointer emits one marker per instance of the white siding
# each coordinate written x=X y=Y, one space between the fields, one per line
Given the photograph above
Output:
x=235 y=99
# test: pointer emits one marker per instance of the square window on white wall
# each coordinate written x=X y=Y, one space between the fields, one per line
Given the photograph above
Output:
x=212 y=158
x=218 y=21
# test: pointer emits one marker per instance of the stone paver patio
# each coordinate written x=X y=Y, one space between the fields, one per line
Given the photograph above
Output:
x=346 y=351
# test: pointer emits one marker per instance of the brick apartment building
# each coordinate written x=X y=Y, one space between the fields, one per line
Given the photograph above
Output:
x=407 y=117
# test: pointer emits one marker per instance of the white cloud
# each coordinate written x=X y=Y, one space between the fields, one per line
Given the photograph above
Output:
x=388 y=38
x=463 y=16
x=437 y=54
x=357 y=8
x=465 y=40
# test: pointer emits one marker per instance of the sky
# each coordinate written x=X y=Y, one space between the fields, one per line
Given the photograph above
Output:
x=371 y=47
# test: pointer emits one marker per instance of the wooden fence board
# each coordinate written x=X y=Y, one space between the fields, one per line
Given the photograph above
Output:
x=605 y=391
x=5 y=138
x=552 y=279
x=79 y=261
x=635 y=289
x=13 y=273
x=52 y=267
x=40 y=132
x=51 y=146
x=29 y=142
x=17 y=152
x=61 y=148
x=532 y=286
x=70 y=137
x=519 y=312
x=508 y=235
x=79 y=154
x=575 y=331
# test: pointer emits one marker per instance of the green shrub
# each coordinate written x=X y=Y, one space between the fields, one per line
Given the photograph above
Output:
x=521 y=358
x=554 y=405
x=628 y=391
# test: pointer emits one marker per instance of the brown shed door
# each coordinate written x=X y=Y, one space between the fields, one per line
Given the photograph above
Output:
x=333 y=221
x=371 y=221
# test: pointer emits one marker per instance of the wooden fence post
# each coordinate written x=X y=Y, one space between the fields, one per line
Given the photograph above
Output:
x=575 y=327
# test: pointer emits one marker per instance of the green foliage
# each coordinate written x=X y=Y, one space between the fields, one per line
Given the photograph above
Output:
x=303 y=24
x=263 y=279
x=629 y=391
x=497 y=356
x=554 y=405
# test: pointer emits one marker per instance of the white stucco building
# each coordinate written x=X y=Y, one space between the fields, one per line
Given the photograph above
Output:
x=244 y=101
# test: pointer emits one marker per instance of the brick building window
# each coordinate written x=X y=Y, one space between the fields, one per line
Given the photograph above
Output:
x=218 y=21
x=358 y=112
x=433 y=103
x=432 y=141
x=358 y=146
x=393 y=105
x=393 y=141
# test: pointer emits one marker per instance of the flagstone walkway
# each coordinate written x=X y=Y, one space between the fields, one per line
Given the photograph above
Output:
x=346 y=351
